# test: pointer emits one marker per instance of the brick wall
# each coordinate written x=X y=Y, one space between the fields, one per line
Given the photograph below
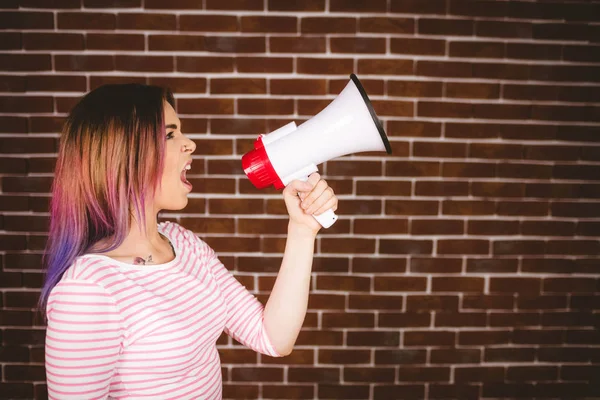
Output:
x=464 y=265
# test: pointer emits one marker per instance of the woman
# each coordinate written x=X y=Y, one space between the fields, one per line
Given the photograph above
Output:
x=134 y=308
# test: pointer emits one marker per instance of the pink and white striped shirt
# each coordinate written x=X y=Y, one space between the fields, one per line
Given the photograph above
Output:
x=117 y=330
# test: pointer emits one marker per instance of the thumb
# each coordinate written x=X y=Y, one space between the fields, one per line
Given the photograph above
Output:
x=296 y=186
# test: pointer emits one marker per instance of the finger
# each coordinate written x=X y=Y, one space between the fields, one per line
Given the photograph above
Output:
x=319 y=201
x=296 y=187
x=314 y=178
x=314 y=194
x=331 y=204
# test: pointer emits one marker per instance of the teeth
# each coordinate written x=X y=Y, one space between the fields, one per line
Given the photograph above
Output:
x=188 y=167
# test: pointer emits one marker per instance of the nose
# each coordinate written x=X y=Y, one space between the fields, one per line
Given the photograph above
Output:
x=189 y=146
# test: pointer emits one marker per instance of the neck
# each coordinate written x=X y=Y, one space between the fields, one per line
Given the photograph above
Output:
x=140 y=241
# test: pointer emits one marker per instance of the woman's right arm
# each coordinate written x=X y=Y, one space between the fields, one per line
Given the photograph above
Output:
x=83 y=340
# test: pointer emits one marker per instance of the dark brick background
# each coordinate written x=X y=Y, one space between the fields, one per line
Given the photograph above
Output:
x=465 y=265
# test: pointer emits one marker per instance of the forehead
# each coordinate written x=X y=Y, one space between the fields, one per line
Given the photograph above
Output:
x=170 y=114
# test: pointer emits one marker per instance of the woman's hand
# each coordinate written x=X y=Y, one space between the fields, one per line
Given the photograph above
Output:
x=303 y=199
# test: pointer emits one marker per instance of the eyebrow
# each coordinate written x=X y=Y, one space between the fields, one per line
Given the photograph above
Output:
x=171 y=126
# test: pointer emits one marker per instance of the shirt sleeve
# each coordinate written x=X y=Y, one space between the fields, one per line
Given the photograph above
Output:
x=245 y=314
x=83 y=340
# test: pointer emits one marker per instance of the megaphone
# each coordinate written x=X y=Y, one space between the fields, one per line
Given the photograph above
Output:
x=347 y=125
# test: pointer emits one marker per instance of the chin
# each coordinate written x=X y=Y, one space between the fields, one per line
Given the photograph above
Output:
x=173 y=205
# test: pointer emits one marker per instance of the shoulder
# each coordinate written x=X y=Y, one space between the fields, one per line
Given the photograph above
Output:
x=185 y=237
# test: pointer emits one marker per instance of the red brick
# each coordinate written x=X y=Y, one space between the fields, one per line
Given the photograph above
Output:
x=111 y=3
x=385 y=67
x=264 y=64
x=327 y=25
x=307 y=5
x=479 y=374
x=298 y=86
x=268 y=374
x=533 y=373
x=473 y=246
x=418 y=7
x=414 y=168
x=27 y=20
x=324 y=301
x=528 y=285
x=418 y=46
x=382 y=226
x=253 y=5
x=25 y=62
x=383 y=188
x=429 y=338
x=430 y=302
x=205 y=64
x=369 y=374
x=535 y=336
x=173 y=4
x=12 y=83
x=205 y=106
x=445 y=319
x=453 y=27
x=238 y=85
x=386 y=25
x=86 y=20
x=526 y=208
x=319 y=374
x=293 y=44
x=479 y=338
x=437 y=227
x=357 y=45
x=269 y=24
x=208 y=23
x=491 y=265
x=275 y=392
x=373 y=302
x=378 y=264
x=177 y=42
x=52 y=41
x=411 y=207
x=493 y=227
x=505 y=247
x=413 y=128
x=414 y=88
x=331 y=245
x=370 y=338
x=327 y=356
x=343 y=283
x=457 y=284
x=405 y=319
x=402 y=246
x=459 y=391
x=444 y=69
x=455 y=356
x=442 y=188
x=330 y=66
x=514 y=319
x=330 y=391
x=472 y=90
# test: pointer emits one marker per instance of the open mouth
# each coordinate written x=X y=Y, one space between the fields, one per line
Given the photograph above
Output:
x=186 y=183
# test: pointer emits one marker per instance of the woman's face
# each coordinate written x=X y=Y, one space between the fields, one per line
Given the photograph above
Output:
x=178 y=154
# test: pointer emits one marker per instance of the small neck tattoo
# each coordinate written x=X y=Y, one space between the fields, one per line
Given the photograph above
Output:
x=148 y=260
x=143 y=261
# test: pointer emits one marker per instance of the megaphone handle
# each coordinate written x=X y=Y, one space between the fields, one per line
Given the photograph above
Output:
x=327 y=218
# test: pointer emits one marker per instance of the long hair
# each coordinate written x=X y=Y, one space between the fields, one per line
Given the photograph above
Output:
x=110 y=160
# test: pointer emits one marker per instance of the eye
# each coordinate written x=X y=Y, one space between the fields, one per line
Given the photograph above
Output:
x=170 y=135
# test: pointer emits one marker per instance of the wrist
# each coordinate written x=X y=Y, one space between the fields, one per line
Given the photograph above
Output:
x=301 y=231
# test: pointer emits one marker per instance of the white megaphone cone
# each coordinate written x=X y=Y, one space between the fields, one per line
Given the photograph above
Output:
x=347 y=125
